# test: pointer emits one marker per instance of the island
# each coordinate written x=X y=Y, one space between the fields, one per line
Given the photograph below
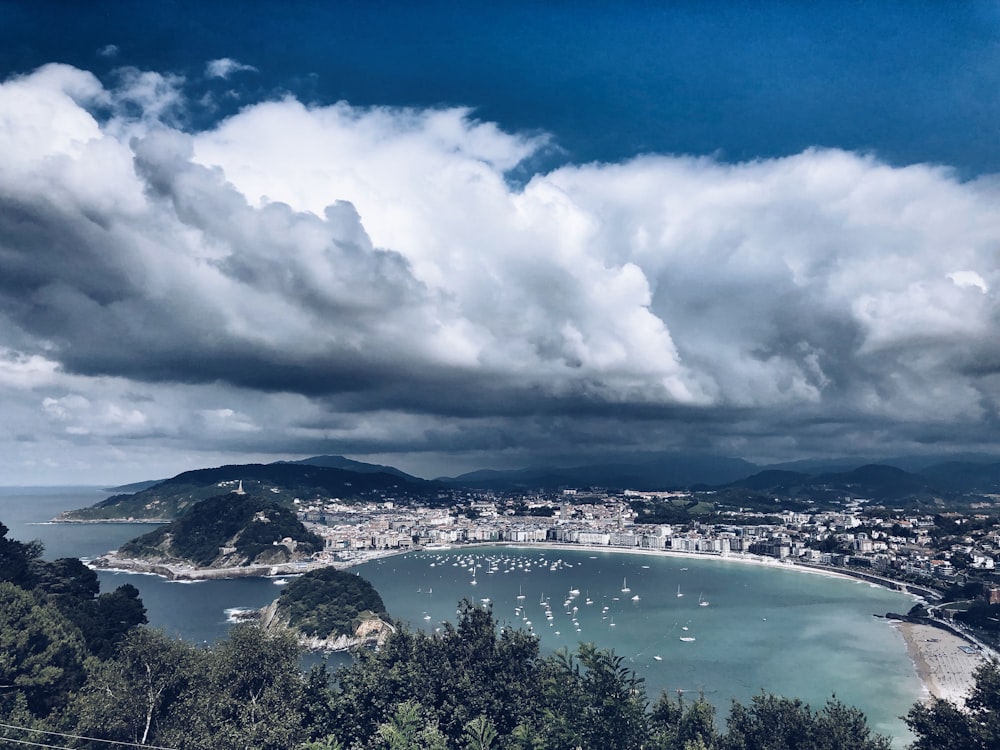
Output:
x=330 y=610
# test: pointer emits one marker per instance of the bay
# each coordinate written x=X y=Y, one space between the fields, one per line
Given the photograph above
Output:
x=788 y=632
x=764 y=628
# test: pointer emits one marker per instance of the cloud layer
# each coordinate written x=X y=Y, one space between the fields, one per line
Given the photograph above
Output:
x=304 y=279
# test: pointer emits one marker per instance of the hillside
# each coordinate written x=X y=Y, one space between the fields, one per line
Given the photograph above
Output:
x=227 y=531
x=282 y=483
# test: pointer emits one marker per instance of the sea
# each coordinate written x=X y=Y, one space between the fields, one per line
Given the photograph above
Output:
x=725 y=630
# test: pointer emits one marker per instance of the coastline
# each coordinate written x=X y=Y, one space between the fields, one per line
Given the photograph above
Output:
x=944 y=669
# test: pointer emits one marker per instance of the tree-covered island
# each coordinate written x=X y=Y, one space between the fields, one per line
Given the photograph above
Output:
x=330 y=610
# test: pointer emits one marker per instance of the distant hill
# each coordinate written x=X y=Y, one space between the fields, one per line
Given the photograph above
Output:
x=134 y=486
x=339 y=462
x=771 y=479
x=228 y=531
x=965 y=476
x=281 y=482
x=667 y=471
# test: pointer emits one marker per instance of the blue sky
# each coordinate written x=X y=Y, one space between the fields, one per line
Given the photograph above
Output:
x=457 y=235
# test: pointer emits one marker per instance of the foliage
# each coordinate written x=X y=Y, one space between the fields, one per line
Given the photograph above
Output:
x=246 y=692
x=327 y=602
x=251 y=524
x=466 y=671
x=73 y=590
x=41 y=652
x=774 y=723
x=138 y=695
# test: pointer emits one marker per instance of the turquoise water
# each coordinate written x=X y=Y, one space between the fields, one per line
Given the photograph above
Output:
x=788 y=632
x=784 y=631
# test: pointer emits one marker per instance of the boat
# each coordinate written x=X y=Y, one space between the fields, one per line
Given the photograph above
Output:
x=635 y=598
x=679 y=590
x=658 y=657
x=280 y=582
x=702 y=601
x=625 y=588
x=520 y=595
x=687 y=638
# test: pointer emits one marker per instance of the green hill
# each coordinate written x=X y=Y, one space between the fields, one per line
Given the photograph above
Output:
x=328 y=603
x=281 y=483
x=228 y=531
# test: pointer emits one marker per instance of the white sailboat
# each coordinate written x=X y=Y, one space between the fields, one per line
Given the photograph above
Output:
x=702 y=601
x=679 y=590
x=625 y=588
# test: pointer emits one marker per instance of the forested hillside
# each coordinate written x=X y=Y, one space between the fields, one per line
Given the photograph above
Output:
x=228 y=531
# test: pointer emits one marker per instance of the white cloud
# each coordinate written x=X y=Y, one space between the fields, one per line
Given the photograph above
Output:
x=225 y=67
x=376 y=262
x=969 y=279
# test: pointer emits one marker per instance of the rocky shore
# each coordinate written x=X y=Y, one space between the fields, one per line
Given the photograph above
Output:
x=184 y=572
x=371 y=632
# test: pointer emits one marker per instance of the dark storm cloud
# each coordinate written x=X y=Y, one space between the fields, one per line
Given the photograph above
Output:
x=336 y=279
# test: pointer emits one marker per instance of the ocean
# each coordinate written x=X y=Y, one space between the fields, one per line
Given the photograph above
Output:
x=745 y=628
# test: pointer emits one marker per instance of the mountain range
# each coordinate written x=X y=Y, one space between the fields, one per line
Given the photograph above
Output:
x=889 y=480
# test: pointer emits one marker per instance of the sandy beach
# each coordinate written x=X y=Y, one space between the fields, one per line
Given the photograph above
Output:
x=941 y=664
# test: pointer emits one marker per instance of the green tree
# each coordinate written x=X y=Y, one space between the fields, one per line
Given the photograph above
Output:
x=18 y=560
x=615 y=715
x=41 y=653
x=480 y=734
x=142 y=694
x=252 y=695
x=771 y=722
x=409 y=728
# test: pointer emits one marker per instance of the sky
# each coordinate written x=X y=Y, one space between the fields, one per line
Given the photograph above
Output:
x=451 y=236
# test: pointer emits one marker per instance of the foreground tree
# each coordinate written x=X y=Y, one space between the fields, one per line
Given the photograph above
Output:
x=41 y=654
x=774 y=723
x=140 y=694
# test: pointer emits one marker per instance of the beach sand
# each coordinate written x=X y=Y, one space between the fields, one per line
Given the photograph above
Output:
x=942 y=666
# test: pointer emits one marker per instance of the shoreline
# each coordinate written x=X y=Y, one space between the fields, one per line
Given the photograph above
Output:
x=944 y=669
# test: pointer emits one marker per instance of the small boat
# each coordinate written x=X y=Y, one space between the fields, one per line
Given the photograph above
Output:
x=679 y=590
x=635 y=598
x=625 y=588
x=658 y=657
x=702 y=601
x=280 y=582
x=687 y=638
x=427 y=617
